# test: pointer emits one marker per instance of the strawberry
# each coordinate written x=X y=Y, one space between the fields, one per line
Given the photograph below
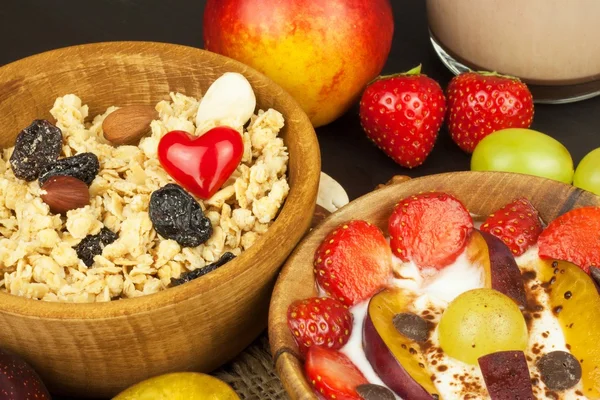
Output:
x=573 y=237
x=480 y=103
x=517 y=224
x=353 y=262
x=430 y=229
x=332 y=374
x=402 y=115
x=319 y=321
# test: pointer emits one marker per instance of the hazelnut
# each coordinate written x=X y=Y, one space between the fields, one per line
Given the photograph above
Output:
x=63 y=193
x=129 y=124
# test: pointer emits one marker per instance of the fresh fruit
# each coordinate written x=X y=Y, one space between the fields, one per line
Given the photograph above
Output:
x=559 y=370
x=517 y=224
x=353 y=262
x=201 y=164
x=523 y=151
x=430 y=229
x=481 y=322
x=575 y=299
x=332 y=374
x=176 y=215
x=321 y=52
x=319 y=321
x=129 y=124
x=506 y=375
x=501 y=271
x=83 y=166
x=402 y=115
x=573 y=237
x=393 y=356
x=587 y=174
x=36 y=146
x=92 y=245
x=179 y=386
x=64 y=193
x=18 y=380
x=480 y=103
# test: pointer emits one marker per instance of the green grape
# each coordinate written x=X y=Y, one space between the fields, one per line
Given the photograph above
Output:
x=587 y=174
x=524 y=151
x=481 y=322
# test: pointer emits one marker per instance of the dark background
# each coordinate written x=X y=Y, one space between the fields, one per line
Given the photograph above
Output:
x=31 y=26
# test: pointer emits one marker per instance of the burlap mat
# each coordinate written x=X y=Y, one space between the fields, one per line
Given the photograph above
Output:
x=252 y=374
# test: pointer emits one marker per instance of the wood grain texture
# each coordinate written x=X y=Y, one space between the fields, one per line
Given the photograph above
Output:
x=481 y=192
x=98 y=349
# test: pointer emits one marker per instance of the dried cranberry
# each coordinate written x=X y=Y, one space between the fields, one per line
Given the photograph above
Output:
x=82 y=166
x=92 y=245
x=36 y=146
x=176 y=215
x=197 y=273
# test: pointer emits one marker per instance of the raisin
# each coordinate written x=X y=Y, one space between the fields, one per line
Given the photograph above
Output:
x=176 y=215
x=36 y=146
x=92 y=245
x=197 y=273
x=83 y=166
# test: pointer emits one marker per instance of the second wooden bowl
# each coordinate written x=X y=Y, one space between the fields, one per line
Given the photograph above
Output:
x=481 y=192
x=96 y=350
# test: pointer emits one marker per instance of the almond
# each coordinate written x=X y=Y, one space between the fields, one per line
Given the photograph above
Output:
x=129 y=124
x=64 y=193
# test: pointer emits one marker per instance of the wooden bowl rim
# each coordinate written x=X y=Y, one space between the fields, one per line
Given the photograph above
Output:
x=287 y=360
x=307 y=183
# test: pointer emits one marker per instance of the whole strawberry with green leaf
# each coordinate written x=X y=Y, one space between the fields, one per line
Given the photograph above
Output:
x=402 y=115
x=480 y=103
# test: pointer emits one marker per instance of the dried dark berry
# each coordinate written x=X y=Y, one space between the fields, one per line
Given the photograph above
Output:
x=412 y=326
x=176 y=215
x=370 y=391
x=559 y=370
x=83 y=166
x=197 y=273
x=92 y=245
x=36 y=146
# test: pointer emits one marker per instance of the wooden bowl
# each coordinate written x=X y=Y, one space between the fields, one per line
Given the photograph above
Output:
x=99 y=349
x=481 y=192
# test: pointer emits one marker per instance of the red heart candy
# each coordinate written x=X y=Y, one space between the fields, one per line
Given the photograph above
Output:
x=201 y=164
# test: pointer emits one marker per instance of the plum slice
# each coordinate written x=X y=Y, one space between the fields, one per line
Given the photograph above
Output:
x=506 y=375
x=393 y=356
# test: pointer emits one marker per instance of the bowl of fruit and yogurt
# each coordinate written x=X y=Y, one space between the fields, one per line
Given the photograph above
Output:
x=455 y=286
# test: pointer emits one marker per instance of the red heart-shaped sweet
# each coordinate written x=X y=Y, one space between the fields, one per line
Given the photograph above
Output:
x=201 y=164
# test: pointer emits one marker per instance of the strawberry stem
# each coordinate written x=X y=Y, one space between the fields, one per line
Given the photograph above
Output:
x=411 y=72
x=495 y=74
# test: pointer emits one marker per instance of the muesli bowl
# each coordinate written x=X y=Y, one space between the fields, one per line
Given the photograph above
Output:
x=98 y=349
x=481 y=193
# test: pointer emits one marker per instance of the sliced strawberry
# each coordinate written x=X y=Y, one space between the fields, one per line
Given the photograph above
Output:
x=430 y=229
x=353 y=262
x=332 y=374
x=573 y=237
x=517 y=224
x=319 y=321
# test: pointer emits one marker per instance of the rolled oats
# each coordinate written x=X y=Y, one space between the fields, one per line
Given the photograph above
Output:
x=37 y=258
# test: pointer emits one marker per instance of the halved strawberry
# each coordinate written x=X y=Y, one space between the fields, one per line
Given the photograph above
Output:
x=319 y=321
x=353 y=262
x=517 y=224
x=573 y=237
x=332 y=374
x=430 y=229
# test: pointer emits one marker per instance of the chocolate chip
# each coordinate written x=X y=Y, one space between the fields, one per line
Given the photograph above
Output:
x=595 y=273
x=412 y=326
x=370 y=391
x=559 y=370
